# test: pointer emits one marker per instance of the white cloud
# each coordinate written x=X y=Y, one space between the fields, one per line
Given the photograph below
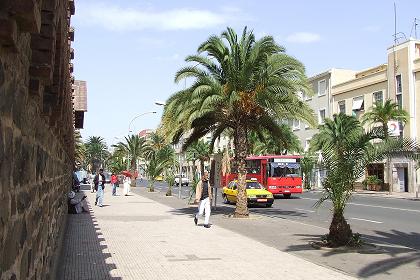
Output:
x=303 y=37
x=126 y=19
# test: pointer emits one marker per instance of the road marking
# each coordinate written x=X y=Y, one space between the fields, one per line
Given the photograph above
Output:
x=370 y=221
x=374 y=206
x=311 y=211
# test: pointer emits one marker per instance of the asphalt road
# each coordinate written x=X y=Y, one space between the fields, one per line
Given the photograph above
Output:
x=386 y=220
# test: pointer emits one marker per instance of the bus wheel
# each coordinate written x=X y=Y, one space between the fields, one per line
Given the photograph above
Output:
x=225 y=199
x=287 y=195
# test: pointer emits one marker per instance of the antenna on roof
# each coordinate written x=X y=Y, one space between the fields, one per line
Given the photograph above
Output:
x=415 y=23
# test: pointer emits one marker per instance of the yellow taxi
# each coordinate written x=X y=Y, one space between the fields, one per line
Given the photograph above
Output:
x=159 y=178
x=255 y=192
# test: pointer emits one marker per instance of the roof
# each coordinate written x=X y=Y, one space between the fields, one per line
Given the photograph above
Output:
x=80 y=96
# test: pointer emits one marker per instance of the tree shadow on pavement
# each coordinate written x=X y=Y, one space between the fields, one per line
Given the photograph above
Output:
x=388 y=256
x=82 y=254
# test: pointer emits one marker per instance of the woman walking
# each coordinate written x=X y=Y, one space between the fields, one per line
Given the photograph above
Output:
x=127 y=183
x=114 y=183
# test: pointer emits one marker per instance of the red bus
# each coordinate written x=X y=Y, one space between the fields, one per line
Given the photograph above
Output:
x=279 y=174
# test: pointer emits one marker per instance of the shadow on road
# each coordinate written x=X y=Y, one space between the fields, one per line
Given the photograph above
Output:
x=82 y=254
x=396 y=255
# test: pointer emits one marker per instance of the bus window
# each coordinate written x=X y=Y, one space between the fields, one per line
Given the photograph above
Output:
x=253 y=167
x=284 y=170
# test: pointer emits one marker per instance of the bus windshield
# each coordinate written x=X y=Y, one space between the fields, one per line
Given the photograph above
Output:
x=281 y=169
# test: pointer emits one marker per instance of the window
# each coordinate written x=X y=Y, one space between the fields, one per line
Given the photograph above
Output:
x=321 y=116
x=342 y=106
x=378 y=97
x=399 y=101
x=398 y=83
x=296 y=125
x=322 y=88
x=358 y=104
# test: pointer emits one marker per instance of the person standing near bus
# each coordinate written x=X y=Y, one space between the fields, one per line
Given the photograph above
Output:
x=203 y=196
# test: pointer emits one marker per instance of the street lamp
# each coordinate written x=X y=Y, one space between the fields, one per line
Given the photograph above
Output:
x=142 y=114
x=160 y=103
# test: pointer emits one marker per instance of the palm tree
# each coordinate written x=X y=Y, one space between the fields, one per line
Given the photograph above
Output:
x=199 y=150
x=262 y=144
x=79 y=148
x=307 y=165
x=97 y=152
x=159 y=161
x=133 y=147
x=154 y=143
x=384 y=113
x=346 y=150
x=240 y=84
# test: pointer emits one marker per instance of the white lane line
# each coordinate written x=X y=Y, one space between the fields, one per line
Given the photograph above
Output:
x=300 y=209
x=374 y=206
x=364 y=220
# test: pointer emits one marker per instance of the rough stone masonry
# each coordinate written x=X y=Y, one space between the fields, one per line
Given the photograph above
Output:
x=36 y=133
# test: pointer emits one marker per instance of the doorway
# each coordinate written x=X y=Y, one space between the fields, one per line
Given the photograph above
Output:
x=402 y=174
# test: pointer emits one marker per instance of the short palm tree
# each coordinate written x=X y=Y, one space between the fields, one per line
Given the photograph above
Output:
x=199 y=150
x=240 y=84
x=97 y=152
x=158 y=162
x=133 y=148
x=383 y=113
x=307 y=164
x=346 y=150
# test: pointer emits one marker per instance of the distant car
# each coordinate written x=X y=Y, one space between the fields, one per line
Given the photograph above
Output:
x=184 y=180
x=159 y=178
x=255 y=192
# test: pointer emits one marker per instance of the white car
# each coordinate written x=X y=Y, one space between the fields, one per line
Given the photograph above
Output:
x=184 y=180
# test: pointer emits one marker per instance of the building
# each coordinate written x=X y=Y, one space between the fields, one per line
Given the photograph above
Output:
x=79 y=102
x=398 y=80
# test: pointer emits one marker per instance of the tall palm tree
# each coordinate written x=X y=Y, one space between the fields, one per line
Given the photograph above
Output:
x=97 y=152
x=262 y=144
x=199 y=150
x=242 y=84
x=307 y=165
x=346 y=150
x=155 y=142
x=383 y=113
x=133 y=147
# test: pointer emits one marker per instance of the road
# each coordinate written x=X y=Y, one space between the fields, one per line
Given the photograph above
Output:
x=385 y=220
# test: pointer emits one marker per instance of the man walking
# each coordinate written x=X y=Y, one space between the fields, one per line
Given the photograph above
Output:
x=99 y=186
x=203 y=195
x=114 y=184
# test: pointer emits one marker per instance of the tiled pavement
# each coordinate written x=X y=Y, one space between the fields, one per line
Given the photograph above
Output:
x=136 y=238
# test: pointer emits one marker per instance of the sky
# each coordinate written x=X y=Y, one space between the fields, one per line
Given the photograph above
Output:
x=128 y=51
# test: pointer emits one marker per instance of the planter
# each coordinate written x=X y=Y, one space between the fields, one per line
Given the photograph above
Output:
x=374 y=187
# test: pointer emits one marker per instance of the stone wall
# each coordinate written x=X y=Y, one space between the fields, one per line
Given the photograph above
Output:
x=36 y=133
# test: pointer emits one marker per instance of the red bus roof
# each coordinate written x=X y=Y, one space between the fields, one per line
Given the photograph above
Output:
x=273 y=156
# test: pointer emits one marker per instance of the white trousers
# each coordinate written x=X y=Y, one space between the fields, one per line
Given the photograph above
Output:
x=204 y=207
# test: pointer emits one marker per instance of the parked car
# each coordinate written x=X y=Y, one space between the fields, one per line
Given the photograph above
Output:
x=159 y=178
x=184 y=180
x=255 y=192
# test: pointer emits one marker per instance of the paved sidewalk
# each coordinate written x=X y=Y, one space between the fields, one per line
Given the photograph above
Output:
x=137 y=238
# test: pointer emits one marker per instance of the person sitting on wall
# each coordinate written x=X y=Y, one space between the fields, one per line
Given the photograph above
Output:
x=76 y=205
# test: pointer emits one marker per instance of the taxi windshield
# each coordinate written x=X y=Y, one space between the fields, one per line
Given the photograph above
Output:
x=253 y=186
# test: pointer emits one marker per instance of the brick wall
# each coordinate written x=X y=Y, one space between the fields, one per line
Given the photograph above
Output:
x=36 y=133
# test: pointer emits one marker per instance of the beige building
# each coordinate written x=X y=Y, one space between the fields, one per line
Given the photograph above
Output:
x=398 y=80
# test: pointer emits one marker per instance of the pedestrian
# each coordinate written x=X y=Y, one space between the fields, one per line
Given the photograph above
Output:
x=114 y=183
x=99 y=186
x=76 y=205
x=127 y=185
x=203 y=195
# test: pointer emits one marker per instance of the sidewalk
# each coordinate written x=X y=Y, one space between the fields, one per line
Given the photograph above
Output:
x=137 y=238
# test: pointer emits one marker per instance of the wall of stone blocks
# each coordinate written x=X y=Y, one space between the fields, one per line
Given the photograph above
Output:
x=36 y=133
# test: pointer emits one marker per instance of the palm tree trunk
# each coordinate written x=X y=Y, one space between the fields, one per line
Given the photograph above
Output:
x=340 y=232
x=241 y=210
x=202 y=167
x=133 y=171
x=151 y=186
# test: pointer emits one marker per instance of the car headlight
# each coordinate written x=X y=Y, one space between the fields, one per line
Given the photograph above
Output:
x=272 y=187
x=251 y=196
x=270 y=195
